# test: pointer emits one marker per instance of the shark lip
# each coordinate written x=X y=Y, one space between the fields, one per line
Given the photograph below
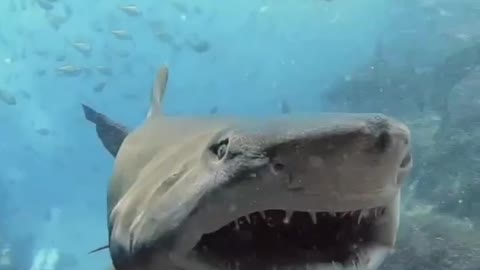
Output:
x=279 y=239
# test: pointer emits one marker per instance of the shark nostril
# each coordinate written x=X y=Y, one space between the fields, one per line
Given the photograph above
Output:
x=383 y=141
x=278 y=167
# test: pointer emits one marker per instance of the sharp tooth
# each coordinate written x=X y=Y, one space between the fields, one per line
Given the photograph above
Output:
x=237 y=265
x=237 y=226
x=313 y=215
x=362 y=214
x=247 y=217
x=288 y=215
x=332 y=214
x=263 y=214
x=342 y=215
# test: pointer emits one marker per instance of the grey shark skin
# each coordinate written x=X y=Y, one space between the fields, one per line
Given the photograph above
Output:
x=297 y=192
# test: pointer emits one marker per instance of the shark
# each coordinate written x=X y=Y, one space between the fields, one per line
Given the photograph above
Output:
x=298 y=191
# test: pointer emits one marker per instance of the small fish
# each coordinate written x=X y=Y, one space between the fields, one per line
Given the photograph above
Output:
x=40 y=72
x=122 y=35
x=43 y=131
x=199 y=46
x=56 y=21
x=7 y=97
x=104 y=70
x=131 y=10
x=46 y=5
x=69 y=70
x=180 y=7
x=165 y=37
x=60 y=58
x=83 y=47
x=99 y=87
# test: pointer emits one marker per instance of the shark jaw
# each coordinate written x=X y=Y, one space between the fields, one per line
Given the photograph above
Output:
x=291 y=239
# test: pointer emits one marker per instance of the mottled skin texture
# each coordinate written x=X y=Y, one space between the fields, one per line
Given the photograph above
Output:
x=168 y=184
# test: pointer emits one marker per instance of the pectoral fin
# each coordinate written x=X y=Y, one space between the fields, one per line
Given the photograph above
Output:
x=111 y=134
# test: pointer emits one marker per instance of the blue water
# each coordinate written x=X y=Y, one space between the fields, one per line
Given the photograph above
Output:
x=55 y=170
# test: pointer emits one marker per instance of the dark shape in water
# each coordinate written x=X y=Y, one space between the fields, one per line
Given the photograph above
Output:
x=104 y=70
x=46 y=5
x=214 y=110
x=7 y=97
x=285 y=108
x=60 y=58
x=56 y=21
x=180 y=7
x=199 y=46
x=43 y=131
x=41 y=72
x=99 y=87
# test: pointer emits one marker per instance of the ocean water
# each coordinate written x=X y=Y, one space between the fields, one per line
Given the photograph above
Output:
x=417 y=61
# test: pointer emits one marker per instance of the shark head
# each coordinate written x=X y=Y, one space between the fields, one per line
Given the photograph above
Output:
x=299 y=192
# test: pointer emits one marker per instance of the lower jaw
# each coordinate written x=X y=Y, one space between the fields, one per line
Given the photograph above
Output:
x=372 y=259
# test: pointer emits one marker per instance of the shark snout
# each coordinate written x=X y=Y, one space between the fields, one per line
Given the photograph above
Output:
x=356 y=163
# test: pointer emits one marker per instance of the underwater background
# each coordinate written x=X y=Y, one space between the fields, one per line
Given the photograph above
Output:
x=418 y=61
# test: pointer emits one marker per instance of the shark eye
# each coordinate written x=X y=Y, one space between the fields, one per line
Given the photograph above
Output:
x=220 y=148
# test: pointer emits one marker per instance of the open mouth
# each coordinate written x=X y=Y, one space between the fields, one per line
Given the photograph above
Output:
x=278 y=239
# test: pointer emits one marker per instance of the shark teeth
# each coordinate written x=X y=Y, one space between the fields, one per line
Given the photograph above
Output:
x=309 y=232
x=267 y=216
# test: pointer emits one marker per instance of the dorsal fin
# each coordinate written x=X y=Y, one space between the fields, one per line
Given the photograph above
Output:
x=158 y=91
